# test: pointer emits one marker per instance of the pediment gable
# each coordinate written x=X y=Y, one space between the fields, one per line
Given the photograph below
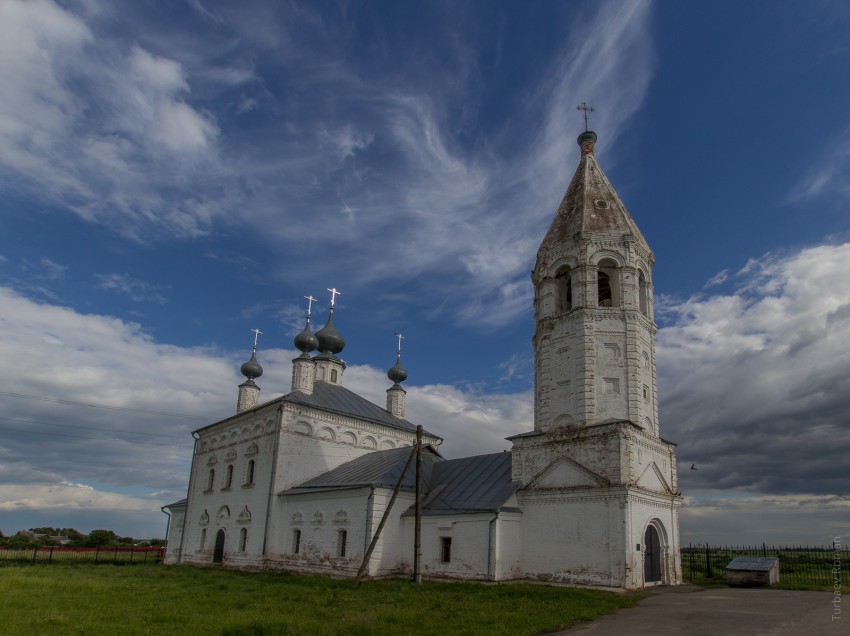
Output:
x=567 y=473
x=653 y=480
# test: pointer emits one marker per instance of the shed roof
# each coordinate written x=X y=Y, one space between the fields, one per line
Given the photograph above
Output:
x=481 y=483
x=380 y=468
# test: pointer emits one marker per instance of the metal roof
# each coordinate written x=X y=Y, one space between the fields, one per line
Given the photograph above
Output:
x=338 y=399
x=470 y=484
x=590 y=205
x=380 y=468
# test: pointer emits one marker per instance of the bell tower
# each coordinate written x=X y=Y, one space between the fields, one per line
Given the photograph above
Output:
x=594 y=337
x=598 y=485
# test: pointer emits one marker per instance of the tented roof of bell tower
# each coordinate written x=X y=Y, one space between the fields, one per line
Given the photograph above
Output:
x=590 y=205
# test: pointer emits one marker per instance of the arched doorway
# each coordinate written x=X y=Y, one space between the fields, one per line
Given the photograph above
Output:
x=651 y=555
x=218 y=553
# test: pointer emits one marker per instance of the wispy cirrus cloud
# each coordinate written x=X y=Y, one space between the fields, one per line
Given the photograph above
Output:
x=315 y=137
x=133 y=288
x=829 y=175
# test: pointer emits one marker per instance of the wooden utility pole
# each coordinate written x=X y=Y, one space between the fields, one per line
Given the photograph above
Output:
x=417 y=525
x=374 y=542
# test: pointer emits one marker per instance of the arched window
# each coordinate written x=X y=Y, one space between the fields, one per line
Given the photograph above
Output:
x=642 y=294
x=341 y=541
x=203 y=538
x=249 y=476
x=334 y=375
x=564 y=300
x=243 y=539
x=211 y=480
x=228 y=476
x=607 y=283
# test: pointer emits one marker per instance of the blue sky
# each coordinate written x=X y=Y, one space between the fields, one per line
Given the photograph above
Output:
x=175 y=174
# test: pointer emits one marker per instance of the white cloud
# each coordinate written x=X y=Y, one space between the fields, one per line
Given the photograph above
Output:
x=99 y=126
x=754 y=384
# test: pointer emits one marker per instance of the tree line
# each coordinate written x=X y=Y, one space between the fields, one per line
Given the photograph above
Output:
x=72 y=538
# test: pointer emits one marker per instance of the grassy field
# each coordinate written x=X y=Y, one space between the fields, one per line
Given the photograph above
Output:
x=154 y=599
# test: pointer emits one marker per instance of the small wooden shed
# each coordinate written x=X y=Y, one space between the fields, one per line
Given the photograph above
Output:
x=749 y=571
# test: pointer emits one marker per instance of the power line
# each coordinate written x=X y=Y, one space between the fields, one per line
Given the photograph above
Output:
x=106 y=406
x=91 y=428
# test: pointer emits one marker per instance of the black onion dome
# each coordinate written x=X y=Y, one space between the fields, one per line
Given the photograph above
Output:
x=397 y=373
x=330 y=340
x=305 y=341
x=252 y=368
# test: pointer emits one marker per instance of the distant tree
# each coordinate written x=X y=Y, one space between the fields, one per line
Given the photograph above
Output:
x=23 y=540
x=76 y=539
x=100 y=538
x=126 y=540
x=72 y=534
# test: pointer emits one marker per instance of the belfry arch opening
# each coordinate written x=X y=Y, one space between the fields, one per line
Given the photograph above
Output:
x=607 y=283
x=642 y=294
x=564 y=290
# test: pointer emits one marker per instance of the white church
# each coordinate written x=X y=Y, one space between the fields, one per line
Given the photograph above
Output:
x=589 y=496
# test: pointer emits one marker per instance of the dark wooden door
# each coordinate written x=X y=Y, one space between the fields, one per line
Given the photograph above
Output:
x=218 y=553
x=652 y=556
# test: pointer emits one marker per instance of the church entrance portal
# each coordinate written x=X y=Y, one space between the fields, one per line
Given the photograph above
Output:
x=218 y=554
x=651 y=556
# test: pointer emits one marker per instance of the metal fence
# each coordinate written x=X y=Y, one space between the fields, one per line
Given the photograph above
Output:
x=798 y=565
x=130 y=555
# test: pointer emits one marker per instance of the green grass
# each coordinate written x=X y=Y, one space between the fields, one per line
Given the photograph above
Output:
x=92 y=600
x=799 y=569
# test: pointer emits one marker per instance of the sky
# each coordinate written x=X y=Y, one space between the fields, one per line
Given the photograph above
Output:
x=175 y=174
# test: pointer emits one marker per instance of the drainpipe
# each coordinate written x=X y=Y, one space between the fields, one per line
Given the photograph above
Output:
x=167 y=527
x=491 y=548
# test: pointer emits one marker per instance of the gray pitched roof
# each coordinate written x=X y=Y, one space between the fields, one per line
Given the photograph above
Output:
x=467 y=485
x=470 y=484
x=380 y=468
x=338 y=399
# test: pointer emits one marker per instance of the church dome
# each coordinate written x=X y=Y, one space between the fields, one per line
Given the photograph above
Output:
x=305 y=341
x=252 y=369
x=329 y=339
x=397 y=373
